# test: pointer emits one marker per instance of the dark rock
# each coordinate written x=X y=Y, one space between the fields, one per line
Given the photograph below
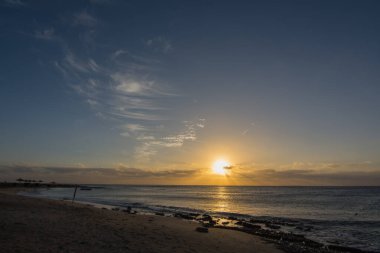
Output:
x=250 y=225
x=344 y=249
x=205 y=217
x=185 y=216
x=308 y=228
x=202 y=229
x=304 y=228
x=210 y=223
x=273 y=226
x=255 y=220
x=289 y=242
x=159 y=213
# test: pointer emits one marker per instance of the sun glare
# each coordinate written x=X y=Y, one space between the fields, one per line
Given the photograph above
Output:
x=219 y=167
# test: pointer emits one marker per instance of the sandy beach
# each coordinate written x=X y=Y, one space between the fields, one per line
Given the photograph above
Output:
x=41 y=225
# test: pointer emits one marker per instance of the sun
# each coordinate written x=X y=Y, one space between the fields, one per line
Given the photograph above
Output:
x=220 y=167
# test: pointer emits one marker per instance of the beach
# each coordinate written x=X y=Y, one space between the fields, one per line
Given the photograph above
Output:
x=344 y=218
x=42 y=225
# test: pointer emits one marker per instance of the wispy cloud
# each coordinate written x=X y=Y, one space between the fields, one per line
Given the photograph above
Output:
x=84 y=19
x=101 y=1
x=119 y=52
x=75 y=65
x=159 y=44
x=126 y=84
x=119 y=171
x=132 y=99
x=308 y=173
x=120 y=85
x=122 y=56
x=111 y=91
x=311 y=177
x=14 y=3
x=249 y=128
x=46 y=34
x=248 y=175
x=135 y=127
x=150 y=146
x=132 y=129
x=188 y=134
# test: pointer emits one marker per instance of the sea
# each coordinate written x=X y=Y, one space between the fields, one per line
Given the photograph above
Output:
x=345 y=216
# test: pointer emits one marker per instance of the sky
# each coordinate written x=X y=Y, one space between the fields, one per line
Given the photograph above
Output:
x=154 y=92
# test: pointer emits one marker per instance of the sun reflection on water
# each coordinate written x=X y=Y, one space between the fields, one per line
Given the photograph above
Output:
x=222 y=199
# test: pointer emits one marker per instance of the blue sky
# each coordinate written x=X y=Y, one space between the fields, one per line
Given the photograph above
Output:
x=170 y=86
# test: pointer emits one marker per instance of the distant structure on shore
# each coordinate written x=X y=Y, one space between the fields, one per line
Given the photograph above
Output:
x=33 y=183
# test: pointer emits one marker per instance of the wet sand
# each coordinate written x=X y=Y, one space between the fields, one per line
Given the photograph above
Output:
x=41 y=225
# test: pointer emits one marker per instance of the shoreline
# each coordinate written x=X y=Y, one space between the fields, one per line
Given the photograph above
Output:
x=267 y=230
x=44 y=225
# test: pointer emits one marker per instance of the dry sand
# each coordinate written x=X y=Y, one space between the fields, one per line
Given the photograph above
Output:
x=41 y=225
